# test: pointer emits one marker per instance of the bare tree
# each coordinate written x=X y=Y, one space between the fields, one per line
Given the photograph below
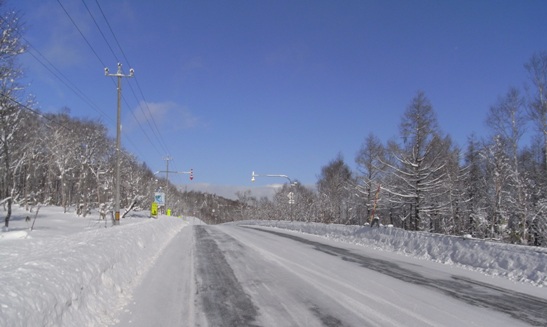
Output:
x=334 y=185
x=371 y=163
x=63 y=147
x=507 y=120
x=498 y=171
x=475 y=189
x=10 y=108
x=537 y=106
x=446 y=216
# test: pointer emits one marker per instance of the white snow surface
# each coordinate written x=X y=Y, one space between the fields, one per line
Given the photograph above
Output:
x=72 y=271
x=516 y=262
x=75 y=271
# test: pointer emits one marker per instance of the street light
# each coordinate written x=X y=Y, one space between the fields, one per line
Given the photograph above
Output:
x=291 y=183
x=284 y=176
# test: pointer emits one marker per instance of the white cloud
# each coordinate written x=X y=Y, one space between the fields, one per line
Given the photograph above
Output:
x=166 y=115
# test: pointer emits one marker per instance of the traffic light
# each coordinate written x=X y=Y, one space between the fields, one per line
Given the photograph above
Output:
x=191 y=174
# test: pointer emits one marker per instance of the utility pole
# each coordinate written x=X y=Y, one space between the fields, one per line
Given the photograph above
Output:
x=167 y=171
x=167 y=180
x=119 y=74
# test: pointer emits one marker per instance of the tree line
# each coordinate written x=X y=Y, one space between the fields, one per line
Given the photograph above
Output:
x=493 y=188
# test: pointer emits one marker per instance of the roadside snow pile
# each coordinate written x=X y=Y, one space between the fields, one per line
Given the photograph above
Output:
x=75 y=278
x=72 y=271
x=516 y=262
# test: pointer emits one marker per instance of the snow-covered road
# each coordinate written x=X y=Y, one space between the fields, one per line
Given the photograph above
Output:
x=231 y=275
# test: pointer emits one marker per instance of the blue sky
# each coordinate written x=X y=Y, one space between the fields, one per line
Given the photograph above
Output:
x=275 y=87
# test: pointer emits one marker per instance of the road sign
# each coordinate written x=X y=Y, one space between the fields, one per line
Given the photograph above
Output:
x=159 y=198
x=291 y=197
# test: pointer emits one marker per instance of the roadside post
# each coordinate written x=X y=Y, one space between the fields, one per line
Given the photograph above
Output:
x=154 y=210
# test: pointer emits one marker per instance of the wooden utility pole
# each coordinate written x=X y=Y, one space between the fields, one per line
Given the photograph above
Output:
x=119 y=74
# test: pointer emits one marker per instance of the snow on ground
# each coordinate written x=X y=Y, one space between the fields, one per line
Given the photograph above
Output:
x=515 y=262
x=75 y=271
x=72 y=271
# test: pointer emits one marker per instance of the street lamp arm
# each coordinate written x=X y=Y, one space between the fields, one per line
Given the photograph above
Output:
x=190 y=172
x=291 y=184
x=271 y=175
x=283 y=176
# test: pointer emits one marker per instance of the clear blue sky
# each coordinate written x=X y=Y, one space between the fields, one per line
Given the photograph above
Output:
x=278 y=87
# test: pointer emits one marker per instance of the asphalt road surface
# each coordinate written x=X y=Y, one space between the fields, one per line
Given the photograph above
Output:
x=230 y=275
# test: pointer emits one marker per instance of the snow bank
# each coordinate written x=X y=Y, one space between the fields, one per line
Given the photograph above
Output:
x=72 y=271
x=516 y=262
x=77 y=279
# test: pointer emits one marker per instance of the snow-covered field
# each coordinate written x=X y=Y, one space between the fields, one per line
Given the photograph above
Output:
x=72 y=271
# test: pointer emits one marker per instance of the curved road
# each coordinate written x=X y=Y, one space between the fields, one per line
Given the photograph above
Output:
x=232 y=275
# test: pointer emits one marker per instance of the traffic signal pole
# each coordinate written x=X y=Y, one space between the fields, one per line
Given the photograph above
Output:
x=167 y=171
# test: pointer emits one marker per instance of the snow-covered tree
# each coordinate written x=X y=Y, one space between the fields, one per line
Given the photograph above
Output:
x=64 y=149
x=498 y=171
x=475 y=188
x=507 y=119
x=11 y=118
x=334 y=186
x=537 y=105
x=371 y=165
x=419 y=172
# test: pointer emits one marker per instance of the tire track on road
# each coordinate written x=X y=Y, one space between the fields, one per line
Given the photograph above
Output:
x=218 y=291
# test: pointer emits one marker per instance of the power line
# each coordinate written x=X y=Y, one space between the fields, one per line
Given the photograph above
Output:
x=65 y=80
x=82 y=34
x=100 y=31
x=153 y=126
x=96 y=54
x=39 y=114
x=139 y=123
x=42 y=60
x=112 y=32
x=43 y=116
x=149 y=118
x=72 y=86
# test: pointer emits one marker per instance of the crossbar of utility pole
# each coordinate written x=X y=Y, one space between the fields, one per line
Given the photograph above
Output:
x=174 y=172
x=119 y=74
